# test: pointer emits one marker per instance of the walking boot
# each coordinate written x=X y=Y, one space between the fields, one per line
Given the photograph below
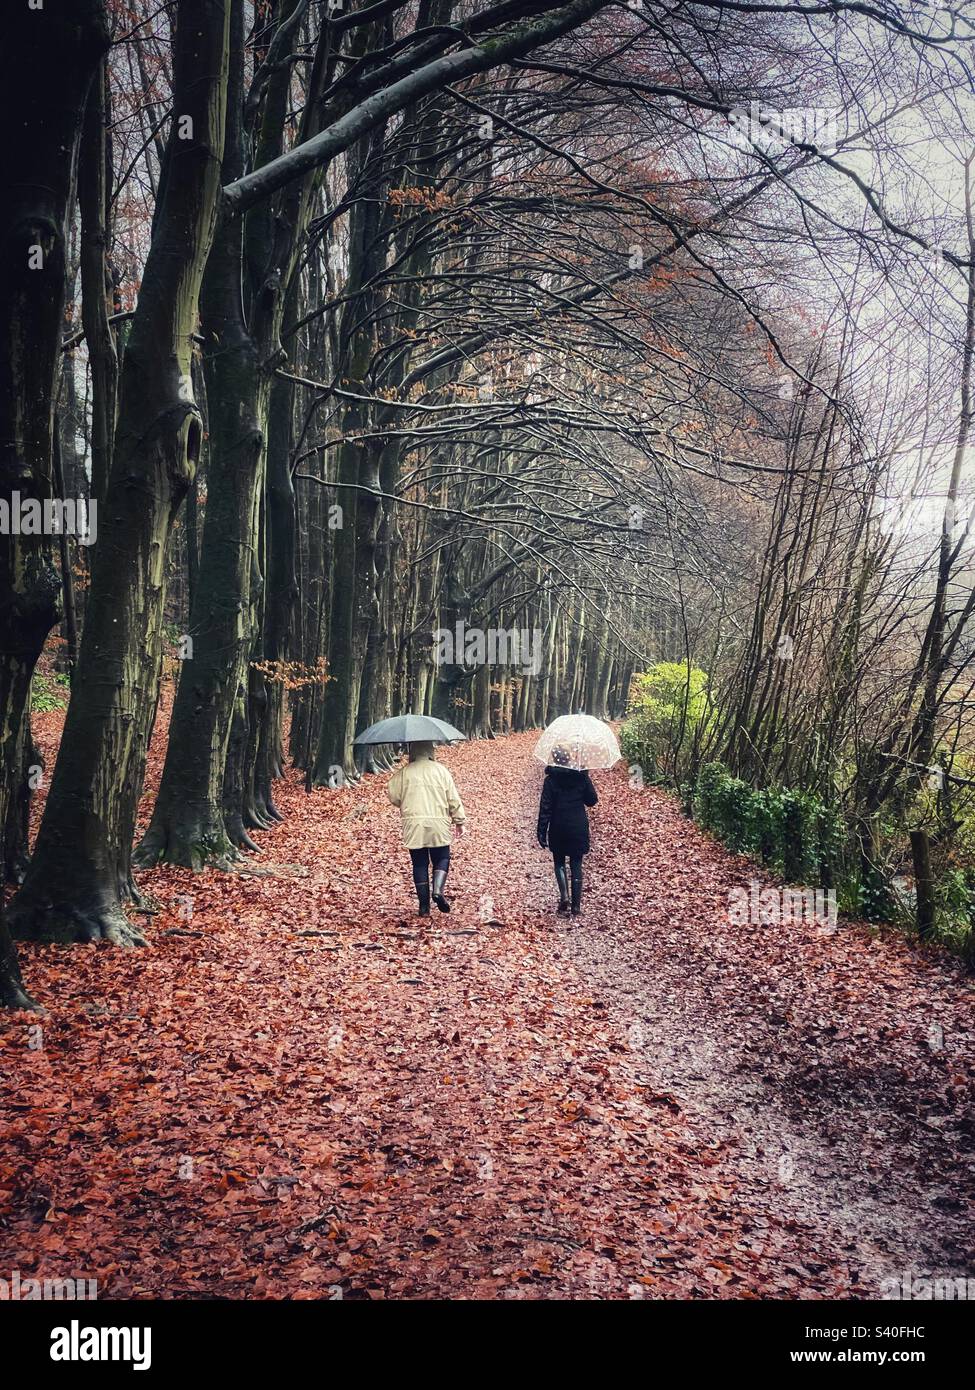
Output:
x=439 y=879
x=577 y=892
x=562 y=881
x=423 y=896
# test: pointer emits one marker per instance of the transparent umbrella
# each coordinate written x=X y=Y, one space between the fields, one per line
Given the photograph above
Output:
x=579 y=741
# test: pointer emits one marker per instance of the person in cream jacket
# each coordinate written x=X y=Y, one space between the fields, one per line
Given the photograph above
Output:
x=430 y=806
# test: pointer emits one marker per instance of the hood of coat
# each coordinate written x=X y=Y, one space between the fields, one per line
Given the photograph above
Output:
x=565 y=776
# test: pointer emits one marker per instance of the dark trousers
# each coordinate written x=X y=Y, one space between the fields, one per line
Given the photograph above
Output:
x=438 y=857
x=575 y=874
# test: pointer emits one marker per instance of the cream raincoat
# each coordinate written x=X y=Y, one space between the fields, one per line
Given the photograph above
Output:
x=428 y=800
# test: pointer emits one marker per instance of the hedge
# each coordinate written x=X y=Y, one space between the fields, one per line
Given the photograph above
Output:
x=794 y=832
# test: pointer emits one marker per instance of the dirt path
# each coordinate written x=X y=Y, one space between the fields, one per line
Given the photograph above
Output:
x=299 y=1090
x=833 y=1066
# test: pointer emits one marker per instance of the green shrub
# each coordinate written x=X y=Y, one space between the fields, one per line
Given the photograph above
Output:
x=708 y=779
x=792 y=831
x=832 y=838
x=669 y=704
x=47 y=693
x=798 y=815
x=955 y=910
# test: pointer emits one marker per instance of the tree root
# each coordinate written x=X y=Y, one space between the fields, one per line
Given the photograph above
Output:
x=66 y=923
x=13 y=995
x=238 y=835
x=189 y=846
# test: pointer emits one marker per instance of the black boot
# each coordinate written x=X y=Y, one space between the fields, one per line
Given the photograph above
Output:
x=439 y=879
x=577 y=889
x=423 y=895
x=562 y=881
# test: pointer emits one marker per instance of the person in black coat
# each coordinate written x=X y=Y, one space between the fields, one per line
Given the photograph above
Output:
x=563 y=824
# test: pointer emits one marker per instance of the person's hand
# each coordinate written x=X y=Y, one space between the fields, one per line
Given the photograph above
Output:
x=461 y=827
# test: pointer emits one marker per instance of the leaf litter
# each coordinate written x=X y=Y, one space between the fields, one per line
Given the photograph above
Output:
x=301 y=1090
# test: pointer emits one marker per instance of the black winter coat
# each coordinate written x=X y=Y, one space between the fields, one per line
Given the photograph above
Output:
x=562 y=811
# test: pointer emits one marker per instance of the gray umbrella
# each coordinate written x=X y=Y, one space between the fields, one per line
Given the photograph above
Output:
x=409 y=728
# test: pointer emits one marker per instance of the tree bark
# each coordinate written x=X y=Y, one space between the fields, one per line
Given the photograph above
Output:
x=214 y=790
x=282 y=587
x=49 y=57
x=187 y=825
x=80 y=874
x=16 y=850
x=96 y=282
x=353 y=568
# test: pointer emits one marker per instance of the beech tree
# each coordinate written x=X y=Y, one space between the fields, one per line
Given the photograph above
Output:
x=48 y=60
x=80 y=873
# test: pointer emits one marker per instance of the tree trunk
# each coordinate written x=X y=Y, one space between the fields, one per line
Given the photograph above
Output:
x=235 y=774
x=311 y=621
x=13 y=995
x=49 y=57
x=80 y=874
x=187 y=825
x=216 y=780
x=64 y=557
x=338 y=708
x=282 y=587
x=96 y=285
x=354 y=571
x=191 y=519
x=15 y=830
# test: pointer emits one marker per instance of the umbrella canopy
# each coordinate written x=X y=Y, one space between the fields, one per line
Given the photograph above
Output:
x=579 y=741
x=409 y=728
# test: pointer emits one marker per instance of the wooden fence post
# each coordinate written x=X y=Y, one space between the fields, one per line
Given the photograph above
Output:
x=923 y=883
